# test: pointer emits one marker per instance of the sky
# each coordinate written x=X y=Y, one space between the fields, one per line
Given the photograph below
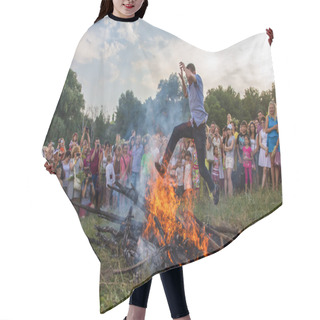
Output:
x=115 y=56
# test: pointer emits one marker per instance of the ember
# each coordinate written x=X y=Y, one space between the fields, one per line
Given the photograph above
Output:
x=175 y=216
x=169 y=235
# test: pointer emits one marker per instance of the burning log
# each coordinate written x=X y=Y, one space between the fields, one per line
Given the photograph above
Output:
x=214 y=245
x=132 y=194
x=198 y=237
x=213 y=230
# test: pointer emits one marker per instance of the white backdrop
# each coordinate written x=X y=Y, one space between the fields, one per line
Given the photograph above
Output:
x=48 y=269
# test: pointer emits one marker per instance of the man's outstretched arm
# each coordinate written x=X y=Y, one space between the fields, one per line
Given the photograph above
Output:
x=189 y=74
x=183 y=84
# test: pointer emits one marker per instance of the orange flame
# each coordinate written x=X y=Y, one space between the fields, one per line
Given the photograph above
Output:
x=174 y=215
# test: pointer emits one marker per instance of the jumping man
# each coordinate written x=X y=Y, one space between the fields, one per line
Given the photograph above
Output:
x=194 y=129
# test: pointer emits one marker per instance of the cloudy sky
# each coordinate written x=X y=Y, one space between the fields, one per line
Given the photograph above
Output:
x=115 y=56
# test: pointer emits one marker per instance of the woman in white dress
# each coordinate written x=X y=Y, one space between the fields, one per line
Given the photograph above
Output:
x=264 y=156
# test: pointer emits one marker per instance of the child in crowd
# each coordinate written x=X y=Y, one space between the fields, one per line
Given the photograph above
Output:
x=187 y=174
x=224 y=139
x=229 y=148
x=215 y=170
x=195 y=172
x=216 y=164
x=240 y=145
x=110 y=180
x=179 y=174
x=247 y=162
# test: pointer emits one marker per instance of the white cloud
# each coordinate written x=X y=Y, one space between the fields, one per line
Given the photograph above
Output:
x=129 y=33
x=111 y=49
x=88 y=48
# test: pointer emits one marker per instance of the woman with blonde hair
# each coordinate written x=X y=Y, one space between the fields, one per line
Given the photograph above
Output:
x=272 y=139
x=74 y=141
x=76 y=165
x=264 y=156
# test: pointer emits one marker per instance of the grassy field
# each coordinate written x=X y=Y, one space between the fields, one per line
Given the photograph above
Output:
x=237 y=212
x=114 y=288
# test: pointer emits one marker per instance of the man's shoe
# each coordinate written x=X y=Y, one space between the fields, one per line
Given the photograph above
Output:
x=160 y=168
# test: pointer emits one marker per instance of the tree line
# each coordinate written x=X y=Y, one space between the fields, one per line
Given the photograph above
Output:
x=162 y=113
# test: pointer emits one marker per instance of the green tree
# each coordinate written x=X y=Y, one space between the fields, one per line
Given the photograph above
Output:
x=130 y=115
x=68 y=115
x=226 y=101
x=251 y=104
x=215 y=112
x=101 y=126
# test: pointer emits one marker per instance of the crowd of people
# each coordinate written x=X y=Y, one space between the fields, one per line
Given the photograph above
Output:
x=237 y=161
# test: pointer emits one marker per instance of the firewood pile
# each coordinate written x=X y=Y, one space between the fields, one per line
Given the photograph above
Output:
x=137 y=250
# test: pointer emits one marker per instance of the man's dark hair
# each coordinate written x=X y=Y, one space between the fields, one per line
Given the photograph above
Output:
x=191 y=67
x=244 y=123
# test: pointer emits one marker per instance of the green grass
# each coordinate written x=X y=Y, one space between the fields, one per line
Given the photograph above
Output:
x=114 y=288
x=237 y=212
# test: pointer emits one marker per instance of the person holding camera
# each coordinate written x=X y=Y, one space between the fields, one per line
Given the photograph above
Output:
x=94 y=161
x=85 y=141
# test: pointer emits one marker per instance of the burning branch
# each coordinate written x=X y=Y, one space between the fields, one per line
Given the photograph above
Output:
x=169 y=228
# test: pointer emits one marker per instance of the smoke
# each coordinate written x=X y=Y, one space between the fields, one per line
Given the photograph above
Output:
x=146 y=249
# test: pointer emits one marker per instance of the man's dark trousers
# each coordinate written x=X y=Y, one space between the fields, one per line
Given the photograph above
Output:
x=185 y=130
